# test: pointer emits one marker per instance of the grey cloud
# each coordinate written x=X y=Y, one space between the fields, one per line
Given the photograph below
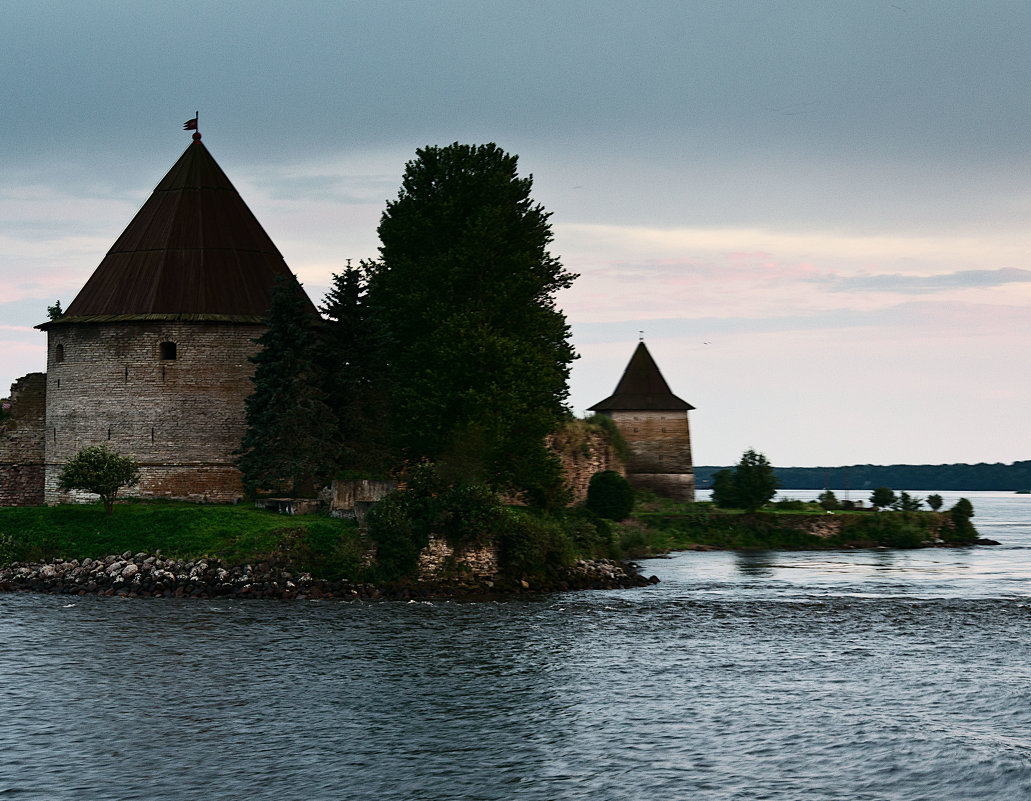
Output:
x=917 y=284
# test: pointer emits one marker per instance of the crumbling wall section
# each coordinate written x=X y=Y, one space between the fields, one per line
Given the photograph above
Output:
x=440 y=562
x=583 y=451
x=22 y=426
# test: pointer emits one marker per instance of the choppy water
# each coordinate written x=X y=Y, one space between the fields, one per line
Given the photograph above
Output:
x=859 y=675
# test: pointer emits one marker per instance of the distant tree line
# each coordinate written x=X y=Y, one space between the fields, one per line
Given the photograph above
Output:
x=981 y=476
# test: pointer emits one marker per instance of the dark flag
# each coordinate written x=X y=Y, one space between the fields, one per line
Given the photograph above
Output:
x=190 y=125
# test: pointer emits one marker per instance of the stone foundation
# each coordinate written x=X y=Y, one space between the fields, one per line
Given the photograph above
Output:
x=676 y=486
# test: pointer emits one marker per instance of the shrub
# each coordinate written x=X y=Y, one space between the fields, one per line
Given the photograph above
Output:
x=432 y=506
x=101 y=471
x=610 y=495
x=390 y=527
x=532 y=546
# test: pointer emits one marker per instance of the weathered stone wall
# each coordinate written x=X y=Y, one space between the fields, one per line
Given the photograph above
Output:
x=660 y=452
x=21 y=443
x=181 y=418
x=583 y=452
x=345 y=493
x=438 y=562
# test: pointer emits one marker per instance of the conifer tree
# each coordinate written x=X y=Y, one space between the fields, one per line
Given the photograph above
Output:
x=479 y=355
x=289 y=444
x=355 y=374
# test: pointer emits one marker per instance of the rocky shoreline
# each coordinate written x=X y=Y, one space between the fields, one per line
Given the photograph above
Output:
x=144 y=575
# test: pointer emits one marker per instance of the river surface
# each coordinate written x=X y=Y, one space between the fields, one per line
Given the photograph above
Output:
x=798 y=676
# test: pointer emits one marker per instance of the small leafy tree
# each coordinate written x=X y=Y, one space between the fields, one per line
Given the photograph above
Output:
x=610 y=495
x=750 y=485
x=935 y=501
x=101 y=471
x=907 y=503
x=828 y=500
x=882 y=497
x=55 y=311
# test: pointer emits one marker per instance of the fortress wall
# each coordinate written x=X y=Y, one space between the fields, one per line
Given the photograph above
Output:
x=181 y=418
x=583 y=453
x=21 y=443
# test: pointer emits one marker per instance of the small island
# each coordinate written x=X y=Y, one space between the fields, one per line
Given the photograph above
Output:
x=414 y=425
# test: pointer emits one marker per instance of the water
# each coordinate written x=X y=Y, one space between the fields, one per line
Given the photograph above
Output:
x=853 y=675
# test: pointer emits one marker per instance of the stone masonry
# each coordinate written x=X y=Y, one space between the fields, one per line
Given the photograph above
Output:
x=181 y=418
x=660 y=451
x=21 y=443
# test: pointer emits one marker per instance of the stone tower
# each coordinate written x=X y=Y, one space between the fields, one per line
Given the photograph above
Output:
x=150 y=358
x=654 y=424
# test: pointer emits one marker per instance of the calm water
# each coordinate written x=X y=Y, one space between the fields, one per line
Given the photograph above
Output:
x=845 y=676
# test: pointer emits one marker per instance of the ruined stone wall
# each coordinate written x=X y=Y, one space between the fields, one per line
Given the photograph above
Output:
x=21 y=443
x=583 y=451
x=344 y=494
x=438 y=561
x=660 y=452
x=181 y=418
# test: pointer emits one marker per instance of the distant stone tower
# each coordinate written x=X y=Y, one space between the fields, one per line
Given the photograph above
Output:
x=150 y=358
x=654 y=424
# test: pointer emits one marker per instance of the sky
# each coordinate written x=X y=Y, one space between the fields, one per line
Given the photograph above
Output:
x=816 y=214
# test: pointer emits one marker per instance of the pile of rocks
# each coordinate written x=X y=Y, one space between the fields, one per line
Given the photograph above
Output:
x=147 y=575
x=605 y=574
x=144 y=575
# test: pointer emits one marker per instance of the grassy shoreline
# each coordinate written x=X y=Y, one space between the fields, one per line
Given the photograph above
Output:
x=324 y=546
x=334 y=549
x=659 y=526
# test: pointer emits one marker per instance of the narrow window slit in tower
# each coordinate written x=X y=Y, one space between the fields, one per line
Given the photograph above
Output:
x=152 y=435
x=109 y=432
x=127 y=372
x=59 y=383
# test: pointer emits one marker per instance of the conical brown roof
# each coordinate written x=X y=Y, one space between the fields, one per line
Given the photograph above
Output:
x=642 y=388
x=194 y=251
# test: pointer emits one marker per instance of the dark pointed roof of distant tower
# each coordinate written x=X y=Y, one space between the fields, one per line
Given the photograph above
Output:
x=194 y=251
x=642 y=388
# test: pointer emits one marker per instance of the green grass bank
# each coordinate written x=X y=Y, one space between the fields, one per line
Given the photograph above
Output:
x=325 y=547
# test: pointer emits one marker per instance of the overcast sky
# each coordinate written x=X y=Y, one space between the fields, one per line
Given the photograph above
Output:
x=816 y=212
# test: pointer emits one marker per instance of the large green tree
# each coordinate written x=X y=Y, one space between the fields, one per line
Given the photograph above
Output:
x=290 y=441
x=478 y=353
